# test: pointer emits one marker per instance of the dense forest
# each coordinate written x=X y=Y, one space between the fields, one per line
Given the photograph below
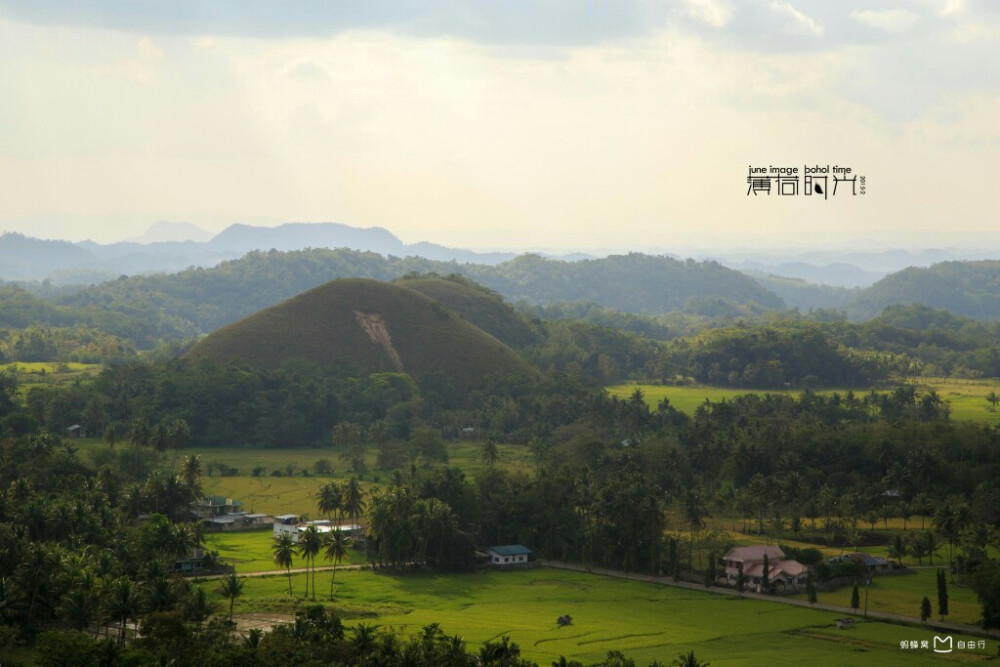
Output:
x=612 y=482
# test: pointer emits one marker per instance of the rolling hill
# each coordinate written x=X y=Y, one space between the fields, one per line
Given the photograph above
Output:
x=210 y=298
x=970 y=289
x=370 y=326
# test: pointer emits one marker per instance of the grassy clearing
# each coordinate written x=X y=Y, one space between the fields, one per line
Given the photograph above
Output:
x=902 y=595
x=646 y=621
x=967 y=398
x=251 y=551
x=295 y=493
x=32 y=374
x=685 y=398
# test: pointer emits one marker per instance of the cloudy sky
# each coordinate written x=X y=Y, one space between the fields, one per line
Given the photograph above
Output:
x=569 y=124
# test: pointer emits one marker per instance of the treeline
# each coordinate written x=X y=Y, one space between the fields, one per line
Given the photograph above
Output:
x=296 y=405
x=75 y=344
x=202 y=300
x=87 y=573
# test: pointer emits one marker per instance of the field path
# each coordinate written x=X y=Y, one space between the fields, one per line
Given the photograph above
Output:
x=282 y=573
x=940 y=626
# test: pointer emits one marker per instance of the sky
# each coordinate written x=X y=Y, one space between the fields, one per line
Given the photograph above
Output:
x=558 y=124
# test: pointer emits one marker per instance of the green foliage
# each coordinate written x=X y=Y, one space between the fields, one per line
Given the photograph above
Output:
x=970 y=289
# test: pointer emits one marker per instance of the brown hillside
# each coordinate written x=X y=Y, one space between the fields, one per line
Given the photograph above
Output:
x=367 y=324
x=482 y=306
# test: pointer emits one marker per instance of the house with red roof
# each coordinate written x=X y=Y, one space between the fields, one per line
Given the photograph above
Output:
x=783 y=573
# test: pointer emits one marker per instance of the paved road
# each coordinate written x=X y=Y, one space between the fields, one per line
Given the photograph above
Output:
x=956 y=628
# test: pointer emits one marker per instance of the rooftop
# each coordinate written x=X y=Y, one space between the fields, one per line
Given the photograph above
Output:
x=511 y=550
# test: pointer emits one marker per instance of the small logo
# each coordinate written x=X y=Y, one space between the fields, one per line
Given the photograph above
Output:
x=942 y=644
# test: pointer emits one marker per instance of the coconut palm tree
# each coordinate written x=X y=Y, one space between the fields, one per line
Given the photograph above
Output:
x=336 y=545
x=283 y=550
x=353 y=499
x=310 y=542
x=231 y=588
x=688 y=660
x=364 y=638
x=198 y=607
x=329 y=499
x=122 y=604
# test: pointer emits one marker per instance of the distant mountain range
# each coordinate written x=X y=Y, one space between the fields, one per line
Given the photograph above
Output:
x=168 y=247
x=205 y=284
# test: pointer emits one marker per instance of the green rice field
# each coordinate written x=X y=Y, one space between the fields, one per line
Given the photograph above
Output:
x=646 y=621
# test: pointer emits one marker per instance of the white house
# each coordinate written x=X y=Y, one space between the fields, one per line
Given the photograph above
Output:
x=508 y=555
x=291 y=523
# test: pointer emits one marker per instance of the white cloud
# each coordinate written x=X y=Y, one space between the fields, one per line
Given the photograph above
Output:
x=890 y=20
x=799 y=23
x=710 y=12
x=953 y=7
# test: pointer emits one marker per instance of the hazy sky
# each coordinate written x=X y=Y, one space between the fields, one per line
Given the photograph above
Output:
x=563 y=124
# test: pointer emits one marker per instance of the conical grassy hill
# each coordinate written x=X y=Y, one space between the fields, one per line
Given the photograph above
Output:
x=367 y=325
x=481 y=306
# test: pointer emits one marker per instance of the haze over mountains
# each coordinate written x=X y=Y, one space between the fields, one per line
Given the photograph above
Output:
x=205 y=284
x=172 y=246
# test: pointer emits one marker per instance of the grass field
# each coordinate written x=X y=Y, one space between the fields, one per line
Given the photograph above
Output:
x=48 y=373
x=902 y=595
x=294 y=494
x=646 y=621
x=967 y=398
x=251 y=551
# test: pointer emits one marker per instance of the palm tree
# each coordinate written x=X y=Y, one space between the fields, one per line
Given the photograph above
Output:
x=310 y=542
x=79 y=607
x=353 y=499
x=178 y=434
x=122 y=604
x=337 y=544
x=283 y=549
x=329 y=499
x=364 y=639
x=993 y=399
x=760 y=492
x=198 y=607
x=694 y=511
x=688 y=660
x=490 y=453
x=897 y=549
x=231 y=588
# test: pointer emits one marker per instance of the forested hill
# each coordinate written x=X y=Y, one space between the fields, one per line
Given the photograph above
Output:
x=970 y=289
x=211 y=298
x=633 y=283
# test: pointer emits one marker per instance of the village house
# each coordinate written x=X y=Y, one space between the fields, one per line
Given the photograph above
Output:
x=210 y=506
x=872 y=564
x=507 y=555
x=783 y=573
x=293 y=525
x=225 y=523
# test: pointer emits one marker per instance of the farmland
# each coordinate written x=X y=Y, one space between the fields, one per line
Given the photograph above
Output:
x=967 y=398
x=251 y=551
x=646 y=621
x=293 y=492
